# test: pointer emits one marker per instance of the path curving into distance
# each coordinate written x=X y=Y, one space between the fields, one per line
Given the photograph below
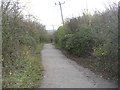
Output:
x=61 y=72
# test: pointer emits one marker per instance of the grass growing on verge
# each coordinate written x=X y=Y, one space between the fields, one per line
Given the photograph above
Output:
x=94 y=64
x=28 y=72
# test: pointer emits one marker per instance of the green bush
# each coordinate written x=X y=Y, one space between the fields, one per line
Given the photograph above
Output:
x=80 y=45
x=64 y=40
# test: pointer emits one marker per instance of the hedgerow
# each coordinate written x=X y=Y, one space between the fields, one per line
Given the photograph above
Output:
x=20 y=36
x=93 y=35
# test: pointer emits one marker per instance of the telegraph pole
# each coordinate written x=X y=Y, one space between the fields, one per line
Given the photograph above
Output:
x=53 y=28
x=61 y=10
x=86 y=6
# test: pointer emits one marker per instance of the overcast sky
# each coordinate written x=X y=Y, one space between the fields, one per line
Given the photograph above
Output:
x=49 y=14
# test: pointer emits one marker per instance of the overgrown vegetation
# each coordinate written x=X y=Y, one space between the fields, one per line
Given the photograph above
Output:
x=92 y=36
x=21 y=36
x=28 y=72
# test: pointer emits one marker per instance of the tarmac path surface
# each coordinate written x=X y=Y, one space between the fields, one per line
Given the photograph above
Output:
x=61 y=72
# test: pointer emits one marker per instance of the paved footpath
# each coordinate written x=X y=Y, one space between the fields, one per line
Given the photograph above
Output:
x=61 y=72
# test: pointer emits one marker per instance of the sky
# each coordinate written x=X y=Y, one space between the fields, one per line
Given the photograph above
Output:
x=49 y=14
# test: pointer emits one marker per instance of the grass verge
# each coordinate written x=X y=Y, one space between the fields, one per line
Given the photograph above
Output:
x=94 y=64
x=28 y=72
